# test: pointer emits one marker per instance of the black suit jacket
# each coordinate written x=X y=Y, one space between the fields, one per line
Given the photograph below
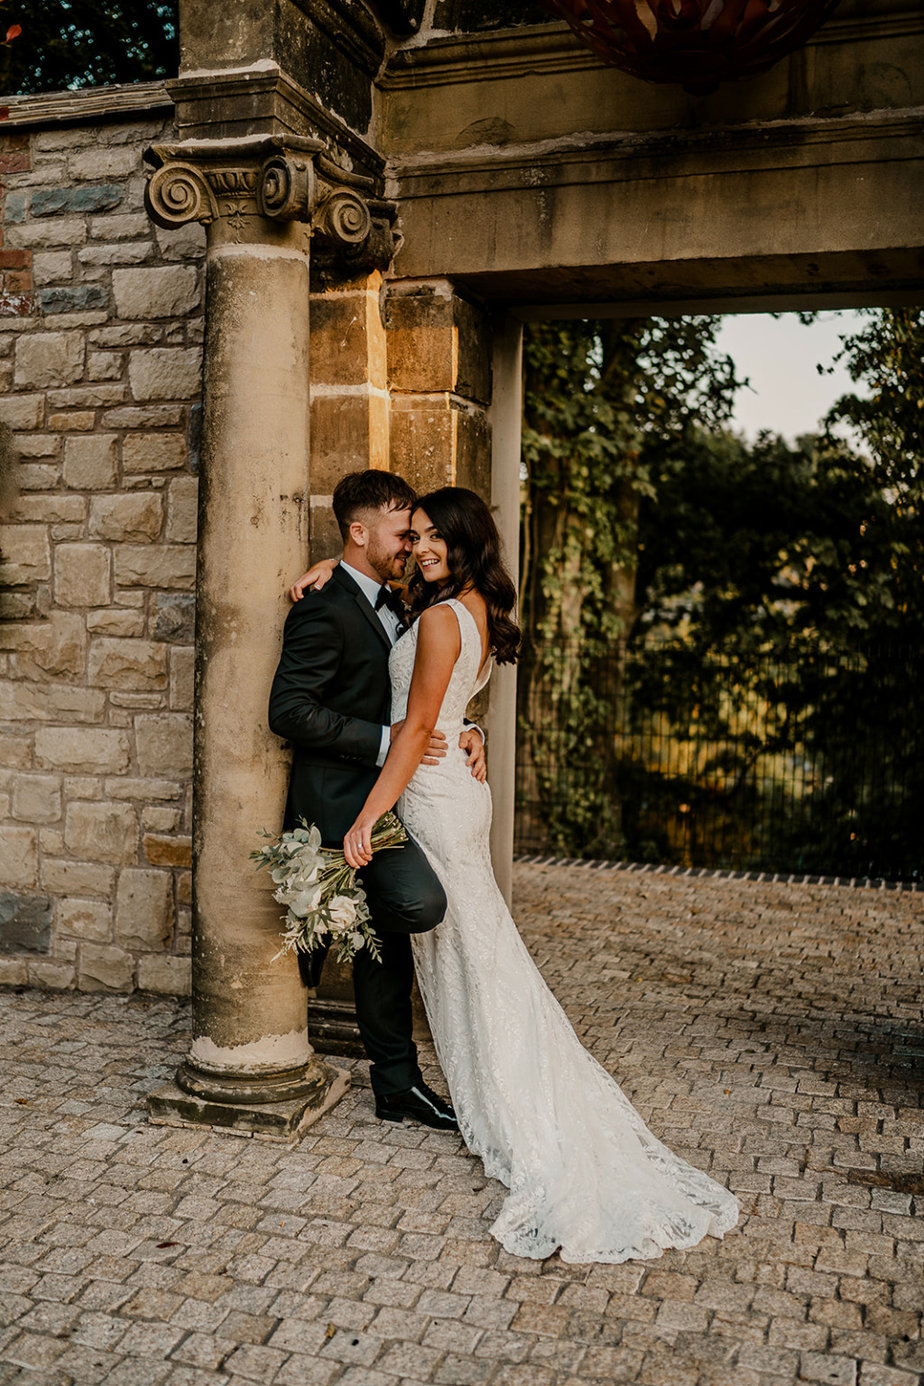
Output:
x=331 y=697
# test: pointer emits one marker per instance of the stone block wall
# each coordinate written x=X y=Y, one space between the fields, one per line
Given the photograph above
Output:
x=100 y=376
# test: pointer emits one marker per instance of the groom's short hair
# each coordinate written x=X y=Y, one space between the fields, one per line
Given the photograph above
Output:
x=372 y=490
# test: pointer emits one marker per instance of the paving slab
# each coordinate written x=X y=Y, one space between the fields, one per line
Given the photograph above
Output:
x=770 y=1032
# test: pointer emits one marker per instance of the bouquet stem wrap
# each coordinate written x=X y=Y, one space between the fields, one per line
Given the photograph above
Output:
x=325 y=904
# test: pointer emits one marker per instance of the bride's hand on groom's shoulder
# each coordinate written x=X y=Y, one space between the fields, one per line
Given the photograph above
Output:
x=317 y=576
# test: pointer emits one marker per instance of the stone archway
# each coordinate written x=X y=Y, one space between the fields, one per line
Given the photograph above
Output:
x=520 y=177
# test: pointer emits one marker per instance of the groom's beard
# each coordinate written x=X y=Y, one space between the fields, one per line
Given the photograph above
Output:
x=389 y=565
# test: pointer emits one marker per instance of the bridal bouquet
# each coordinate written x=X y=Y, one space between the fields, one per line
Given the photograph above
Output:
x=324 y=901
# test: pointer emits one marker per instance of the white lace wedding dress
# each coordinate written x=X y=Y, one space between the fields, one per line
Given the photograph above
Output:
x=585 y=1174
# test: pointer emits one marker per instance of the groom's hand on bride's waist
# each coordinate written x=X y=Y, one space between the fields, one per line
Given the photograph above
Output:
x=435 y=751
x=472 y=744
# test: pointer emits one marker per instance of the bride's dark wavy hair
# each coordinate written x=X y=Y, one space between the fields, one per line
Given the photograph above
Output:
x=473 y=555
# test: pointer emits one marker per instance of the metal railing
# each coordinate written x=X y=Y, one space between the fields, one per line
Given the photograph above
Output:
x=813 y=764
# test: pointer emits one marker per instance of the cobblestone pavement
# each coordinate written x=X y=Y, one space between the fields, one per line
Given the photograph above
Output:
x=770 y=1033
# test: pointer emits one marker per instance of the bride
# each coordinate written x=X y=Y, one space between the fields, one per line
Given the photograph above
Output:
x=586 y=1176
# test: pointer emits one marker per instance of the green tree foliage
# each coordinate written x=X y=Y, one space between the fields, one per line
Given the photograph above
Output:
x=774 y=547
x=87 y=43
x=596 y=396
x=678 y=575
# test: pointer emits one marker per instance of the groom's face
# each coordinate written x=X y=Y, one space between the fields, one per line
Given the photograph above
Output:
x=388 y=543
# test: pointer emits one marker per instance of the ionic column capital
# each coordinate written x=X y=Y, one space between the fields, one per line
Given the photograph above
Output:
x=281 y=178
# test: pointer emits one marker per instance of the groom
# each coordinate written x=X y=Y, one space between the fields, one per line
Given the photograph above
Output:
x=331 y=699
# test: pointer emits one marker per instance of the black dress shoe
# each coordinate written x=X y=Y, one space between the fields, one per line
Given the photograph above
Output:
x=419 y=1103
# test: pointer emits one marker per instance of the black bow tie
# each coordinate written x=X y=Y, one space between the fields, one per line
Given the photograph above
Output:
x=386 y=597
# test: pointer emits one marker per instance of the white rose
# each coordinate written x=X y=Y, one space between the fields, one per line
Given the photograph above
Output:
x=342 y=912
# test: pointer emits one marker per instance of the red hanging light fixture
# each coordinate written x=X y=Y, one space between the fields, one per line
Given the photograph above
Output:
x=697 y=43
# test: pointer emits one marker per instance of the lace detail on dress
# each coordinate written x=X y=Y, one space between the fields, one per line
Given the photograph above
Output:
x=585 y=1174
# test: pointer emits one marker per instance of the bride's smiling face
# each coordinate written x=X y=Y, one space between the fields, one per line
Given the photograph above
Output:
x=429 y=548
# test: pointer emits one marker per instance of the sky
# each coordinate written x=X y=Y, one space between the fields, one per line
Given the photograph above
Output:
x=779 y=356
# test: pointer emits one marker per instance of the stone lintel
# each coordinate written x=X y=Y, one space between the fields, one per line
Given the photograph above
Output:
x=169 y=1105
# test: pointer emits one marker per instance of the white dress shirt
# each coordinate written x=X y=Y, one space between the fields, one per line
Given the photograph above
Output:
x=370 y=588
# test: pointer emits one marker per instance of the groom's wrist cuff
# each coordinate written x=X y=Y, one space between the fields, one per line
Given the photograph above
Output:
x=383 y=747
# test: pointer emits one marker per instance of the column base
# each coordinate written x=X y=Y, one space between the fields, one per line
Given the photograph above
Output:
x=170 y=1105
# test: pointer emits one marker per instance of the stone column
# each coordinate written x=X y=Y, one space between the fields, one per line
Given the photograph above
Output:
x=250 y=1066
x=506 y=429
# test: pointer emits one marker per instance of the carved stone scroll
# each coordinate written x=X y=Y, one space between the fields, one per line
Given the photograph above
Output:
x=281 y=178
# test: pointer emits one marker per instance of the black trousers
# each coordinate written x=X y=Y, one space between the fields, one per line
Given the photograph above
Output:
x=405 y=897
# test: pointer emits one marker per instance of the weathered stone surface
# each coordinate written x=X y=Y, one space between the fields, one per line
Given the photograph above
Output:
x=54 y=646
x=22 y=411
x=91 y=463
x=49 y=975
x=20 y=701
x=104 y=163
x=104 y=365
x=13 y=972
x=85 y=919
x=15 y=750
x=146 y=790
x=104 y=969
x=347 y=431
x=182 y=243
x=164 y=744
x=132 y=664
x=165 y=974
x=165 y=373
x=83 y=750
x=36 y=798
x=34 y=476
x=151 y=416
x=74 y=298
x=182 y=678
x=44 y=444
x=25 y=922
x=52 y=267
x=52 y=510
x=182 y=498
x=124 y=253
x=26 y=554
x=166 y=291
x=103 y=832
x=116 y=621
x=120 y=227
x=144 y=909
x=19 y=854
x=171 y=565
x=63 y=877
x=174 y=616
x=46 y=235
x=51 y=202
x=48 y=359
x=132 y=517
x=95 y=395
x=73 y=421
x=164 y=849
x=83 y=575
